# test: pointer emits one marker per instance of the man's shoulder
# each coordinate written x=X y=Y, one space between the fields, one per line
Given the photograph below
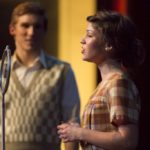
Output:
x=53 y=61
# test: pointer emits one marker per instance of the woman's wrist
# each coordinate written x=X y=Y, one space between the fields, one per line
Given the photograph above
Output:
x=80 y=134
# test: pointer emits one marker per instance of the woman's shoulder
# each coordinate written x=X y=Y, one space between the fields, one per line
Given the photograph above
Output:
x=123 y=81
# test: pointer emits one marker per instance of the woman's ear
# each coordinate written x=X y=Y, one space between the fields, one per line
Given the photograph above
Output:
x=11 y=30
x=108 y=47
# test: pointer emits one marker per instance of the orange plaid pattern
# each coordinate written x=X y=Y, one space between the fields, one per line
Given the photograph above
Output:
x=115 y=101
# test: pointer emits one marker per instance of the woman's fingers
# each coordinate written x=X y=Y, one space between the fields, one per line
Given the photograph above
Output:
x=61 y=126
x=62 y=131
x=67 y=131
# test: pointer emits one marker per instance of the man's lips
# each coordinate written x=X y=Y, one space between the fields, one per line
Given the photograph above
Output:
x=29 y=40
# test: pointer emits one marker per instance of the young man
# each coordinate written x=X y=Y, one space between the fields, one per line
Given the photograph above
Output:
x=42 y=90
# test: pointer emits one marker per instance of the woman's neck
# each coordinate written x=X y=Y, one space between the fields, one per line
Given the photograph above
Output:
x=109 y=67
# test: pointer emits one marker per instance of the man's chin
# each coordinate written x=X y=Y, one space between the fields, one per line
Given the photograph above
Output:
x=30 y=48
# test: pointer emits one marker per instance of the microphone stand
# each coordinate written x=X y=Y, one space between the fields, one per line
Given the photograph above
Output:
x=4 y=81
x=3 y=122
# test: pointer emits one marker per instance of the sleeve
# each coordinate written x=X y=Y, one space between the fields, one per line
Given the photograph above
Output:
x=70 y=98
x=124 y=102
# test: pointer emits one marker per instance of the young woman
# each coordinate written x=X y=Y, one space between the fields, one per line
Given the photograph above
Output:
x=110 y=118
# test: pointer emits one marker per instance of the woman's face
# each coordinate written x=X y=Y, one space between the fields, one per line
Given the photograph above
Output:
x=93 y=45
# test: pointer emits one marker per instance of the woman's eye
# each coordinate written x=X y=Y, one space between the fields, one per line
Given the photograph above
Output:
x=89 y=35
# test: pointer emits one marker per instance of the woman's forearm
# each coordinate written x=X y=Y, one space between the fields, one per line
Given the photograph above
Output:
x=125 y=138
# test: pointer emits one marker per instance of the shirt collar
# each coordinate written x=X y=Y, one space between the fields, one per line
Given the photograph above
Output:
x=40 y=60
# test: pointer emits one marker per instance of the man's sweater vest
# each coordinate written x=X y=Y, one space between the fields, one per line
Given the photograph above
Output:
x=32 y=114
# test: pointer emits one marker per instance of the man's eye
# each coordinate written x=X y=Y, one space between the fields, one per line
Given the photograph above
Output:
x=38 y=26
x=25 y=25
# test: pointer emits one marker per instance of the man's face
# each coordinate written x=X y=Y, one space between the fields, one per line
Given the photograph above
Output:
x=28 y=32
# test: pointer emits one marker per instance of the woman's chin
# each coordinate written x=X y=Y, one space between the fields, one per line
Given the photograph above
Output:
x=86 y=59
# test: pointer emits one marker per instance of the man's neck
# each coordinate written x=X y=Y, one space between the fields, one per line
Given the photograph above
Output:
x=27 y=57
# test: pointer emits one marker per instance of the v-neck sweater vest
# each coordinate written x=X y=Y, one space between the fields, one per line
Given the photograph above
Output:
x=33 y=113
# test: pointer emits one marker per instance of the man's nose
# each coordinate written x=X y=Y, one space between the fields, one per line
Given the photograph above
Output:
x=31 y=30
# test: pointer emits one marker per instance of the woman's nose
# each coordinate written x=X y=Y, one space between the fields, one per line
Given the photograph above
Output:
x=82 y=41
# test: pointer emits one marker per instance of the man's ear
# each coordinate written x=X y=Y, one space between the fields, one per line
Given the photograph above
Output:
x=11 y=30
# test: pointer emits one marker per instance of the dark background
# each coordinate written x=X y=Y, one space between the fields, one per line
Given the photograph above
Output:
x=139 y=12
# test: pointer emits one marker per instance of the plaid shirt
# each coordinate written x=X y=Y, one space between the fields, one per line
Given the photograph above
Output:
x=114 y=102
